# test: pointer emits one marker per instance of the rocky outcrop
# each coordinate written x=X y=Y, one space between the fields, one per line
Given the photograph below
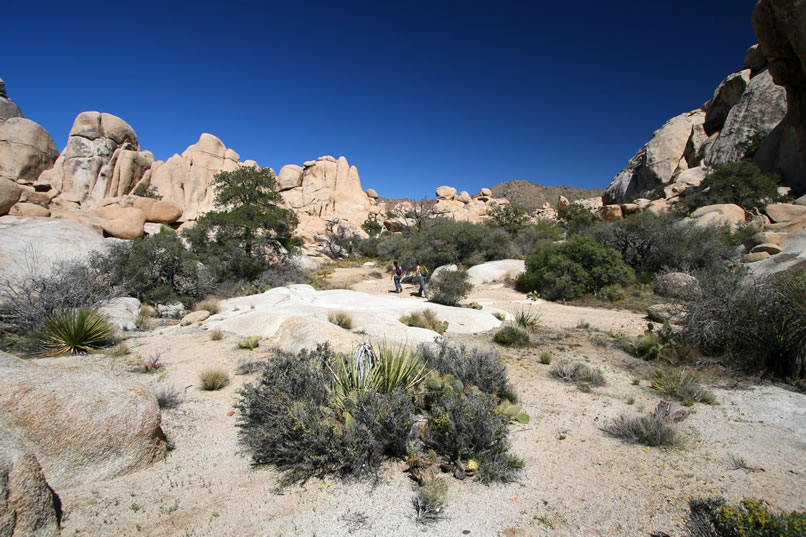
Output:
x=26 y=150
x=82 y=427
x=9 y=195
x=7 y=108
x=759 y=109
x=780 y=26
x=28 y=506
x=101 y=159
x=187 y=179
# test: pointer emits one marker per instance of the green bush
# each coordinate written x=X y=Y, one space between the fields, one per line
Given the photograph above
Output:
x=575 y=218
x=574 y=268
x=511 y=217
x=741 y=183
x=213 y=379
x=155 y=269
x=483 y=369
x=650 y=243
x=510 y=336
x=752 y=518
x=75 y=331
x=449 y=287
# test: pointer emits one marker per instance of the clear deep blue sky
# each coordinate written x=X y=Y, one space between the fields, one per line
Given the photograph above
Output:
x=415 y=94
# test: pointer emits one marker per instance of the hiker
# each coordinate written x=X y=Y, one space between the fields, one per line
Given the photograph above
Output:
x=421 y=272
x=397 y=273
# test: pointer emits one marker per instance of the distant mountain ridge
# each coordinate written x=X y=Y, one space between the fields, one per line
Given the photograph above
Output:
x=532 y=196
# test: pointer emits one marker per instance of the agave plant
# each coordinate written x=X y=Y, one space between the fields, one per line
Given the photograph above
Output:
x=75 y=331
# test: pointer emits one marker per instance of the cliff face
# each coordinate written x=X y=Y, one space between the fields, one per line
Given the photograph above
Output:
x=766 y=100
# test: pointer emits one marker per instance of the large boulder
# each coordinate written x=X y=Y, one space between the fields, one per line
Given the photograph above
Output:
x=657 y=162
x=43 y=242
x=101 y=159
x=8 y=109
x=26 y=150
x=290 y=176
x=785 y=212
x=780 y=27
x=725 y=97
x=9 y=195
x=445 y=193
x=82 y=427
x=122 y=222
x=495 y=271
x=122 y=312
x=760 y=109
x=329 y=188
x=159 y=211
x=187 y=180
x=722 y=214
x=28 y=506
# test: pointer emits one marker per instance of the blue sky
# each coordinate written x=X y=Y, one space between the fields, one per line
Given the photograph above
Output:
x=415 y=94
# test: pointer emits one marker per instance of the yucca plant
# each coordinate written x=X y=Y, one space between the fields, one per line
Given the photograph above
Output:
x=527 y=320
x=381 y=369
x=75 y=331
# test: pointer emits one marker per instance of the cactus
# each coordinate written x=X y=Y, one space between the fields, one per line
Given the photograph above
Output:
x=434 y=383
x=448 y=379
x=472 y=465
x=349 y=421
x=522 y=417
x=458 y=386
x=512 y=411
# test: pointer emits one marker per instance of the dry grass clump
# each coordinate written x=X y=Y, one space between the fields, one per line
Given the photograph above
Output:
x=683 y=386
x=340 y=318
x=649 y=430
x=429 y=500
x=579 y=373
x=425 y=319
x=210 y=304
x=213 y=378
x=250 y=343
x=216 y=335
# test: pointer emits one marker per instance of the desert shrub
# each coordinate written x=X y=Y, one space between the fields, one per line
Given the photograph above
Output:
x=611 y=293
x=741 y=183
x=288 y=419
x=752 y=518
x=425 y=319
x=511 y=336
x=574 y=268
x=213 y=379
x=499 y=467
x=168 y=397
x=282 y=274
x=340 y=318
x=247 y=367
x=483 y=369
x=545 y=358
x=648 y=429
x=155 y=269
x=510 y=217
x=652 y=343
x=429 y=500
x=575 y=218
x=75 y=331
x=755 y=319
x=466 y=426
x=683 y=386
x=449 y=287
x=527 y=320
x=37 y=293
x=538 y=235
x=146 y=191
x=578 y=372
x=372 y=226
x=650 y=243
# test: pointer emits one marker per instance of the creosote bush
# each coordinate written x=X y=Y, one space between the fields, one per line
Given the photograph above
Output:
x=511 y=336
x=213 y=379
x=649 y=430
x=449 y=287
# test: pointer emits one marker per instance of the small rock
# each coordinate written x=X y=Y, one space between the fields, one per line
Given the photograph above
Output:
x=661 y=313
x=195 y=317
x=172 y=311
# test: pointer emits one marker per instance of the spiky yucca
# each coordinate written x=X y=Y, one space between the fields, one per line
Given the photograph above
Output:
x=75 y=331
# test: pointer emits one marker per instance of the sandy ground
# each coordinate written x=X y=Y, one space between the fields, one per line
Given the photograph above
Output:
x=577 y=481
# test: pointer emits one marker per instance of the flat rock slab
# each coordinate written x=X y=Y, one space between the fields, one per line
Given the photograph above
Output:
x=296 y=317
